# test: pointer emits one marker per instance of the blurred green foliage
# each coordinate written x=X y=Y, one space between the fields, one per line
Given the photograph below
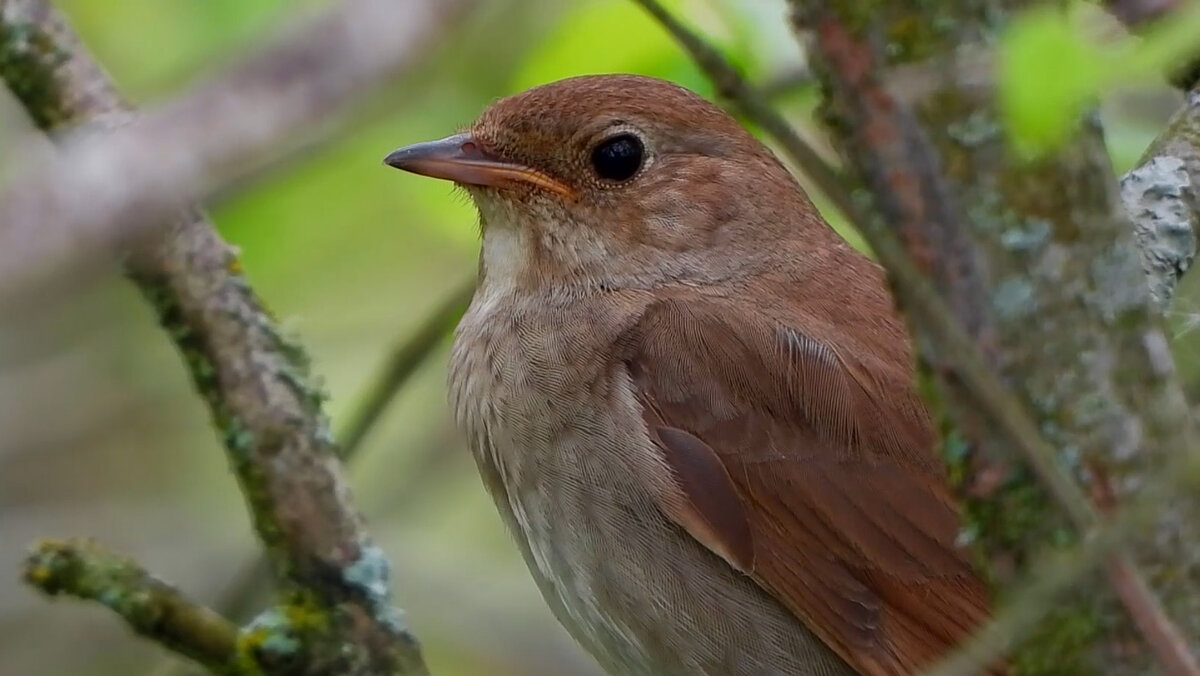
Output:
x=1051 y=68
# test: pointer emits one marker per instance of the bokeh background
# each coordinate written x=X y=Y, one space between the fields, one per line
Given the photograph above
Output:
x=100 y=434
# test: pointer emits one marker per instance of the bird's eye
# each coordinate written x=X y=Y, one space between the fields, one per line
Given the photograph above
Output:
x=618 y=158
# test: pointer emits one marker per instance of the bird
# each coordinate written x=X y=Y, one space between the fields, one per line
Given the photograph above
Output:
x=692 y=401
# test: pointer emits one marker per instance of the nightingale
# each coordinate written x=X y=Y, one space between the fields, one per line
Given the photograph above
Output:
x=691 y=401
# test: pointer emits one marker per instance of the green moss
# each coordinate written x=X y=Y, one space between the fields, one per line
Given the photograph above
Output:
x=298 y=373
x=277 y=639
x=29 y=60
x=304 y=613
x=1058 y=646
x=1019 y=513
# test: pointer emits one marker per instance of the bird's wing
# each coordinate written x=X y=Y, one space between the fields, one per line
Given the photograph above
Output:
x=811 y=471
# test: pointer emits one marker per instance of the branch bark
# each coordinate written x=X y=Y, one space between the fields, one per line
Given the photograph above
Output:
x=336 y=614
x=252 y=576
x=148 y=605
x=1038 y=262
x=209 y=138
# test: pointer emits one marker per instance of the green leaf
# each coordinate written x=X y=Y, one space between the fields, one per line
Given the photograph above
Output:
x=1048 y=75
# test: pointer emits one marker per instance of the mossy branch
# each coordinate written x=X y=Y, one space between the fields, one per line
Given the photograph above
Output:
x=399 y=366
x=1037 y=261
x=256 y=381
x=151 y=607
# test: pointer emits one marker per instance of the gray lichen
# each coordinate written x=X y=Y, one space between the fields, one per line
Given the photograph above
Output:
x=1158 y=196
x=272 y=633
x=369 y=575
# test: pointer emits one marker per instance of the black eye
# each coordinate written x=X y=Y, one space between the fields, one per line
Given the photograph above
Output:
x=618 y=158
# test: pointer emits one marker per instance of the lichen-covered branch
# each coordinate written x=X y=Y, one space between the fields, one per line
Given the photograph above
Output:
x=335 y=614
x=69 y=210
x=1042 y=268
x=389 y=381
x=1159 y=196
x=1162 y=195
x=150 y=606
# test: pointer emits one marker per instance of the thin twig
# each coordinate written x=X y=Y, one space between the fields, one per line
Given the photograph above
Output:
x=754 y=105
x=788 y=81
x=400 y=365
x=1166 y=638
x=151 y=607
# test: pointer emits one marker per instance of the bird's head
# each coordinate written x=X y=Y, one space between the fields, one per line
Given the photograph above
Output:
x=620 y=180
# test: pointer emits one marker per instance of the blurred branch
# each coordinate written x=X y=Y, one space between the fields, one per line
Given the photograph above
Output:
x=753 y=104
x=150 y=606
x=70 y=210
x=401 y=364
x=788 y=81
x=254 y=379
x=1098 y=373
x=1134 y=13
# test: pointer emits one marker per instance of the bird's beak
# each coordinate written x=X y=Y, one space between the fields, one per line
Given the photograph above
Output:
x=459 y=158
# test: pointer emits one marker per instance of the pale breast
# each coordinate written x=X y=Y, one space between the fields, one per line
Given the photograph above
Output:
x=559 y=441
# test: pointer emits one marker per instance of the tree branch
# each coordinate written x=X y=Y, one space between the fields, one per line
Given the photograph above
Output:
x=1135 y=12
x=754 y=105
x=401 y=364
x=150 y=606
x=209 y=138
x=1065 y=317
x=254 y=379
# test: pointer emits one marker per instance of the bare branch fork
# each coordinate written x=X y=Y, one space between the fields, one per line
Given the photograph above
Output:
x=336 y=614
x=1157 y=195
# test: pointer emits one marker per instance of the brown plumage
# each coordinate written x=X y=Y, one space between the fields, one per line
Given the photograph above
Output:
x=692 y=402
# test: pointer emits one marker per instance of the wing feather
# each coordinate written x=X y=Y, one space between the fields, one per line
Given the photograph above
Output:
x=831 y=458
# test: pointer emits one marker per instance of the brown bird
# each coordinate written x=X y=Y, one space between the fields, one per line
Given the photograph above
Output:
x=691 y=400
